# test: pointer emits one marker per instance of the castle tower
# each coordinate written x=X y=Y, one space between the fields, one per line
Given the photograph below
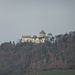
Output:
x=42 y=34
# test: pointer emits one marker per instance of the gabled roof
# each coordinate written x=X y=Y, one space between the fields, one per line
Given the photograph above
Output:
x=26 y=36
x=42 y=32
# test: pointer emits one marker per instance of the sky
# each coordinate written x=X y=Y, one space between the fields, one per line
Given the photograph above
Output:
x=29 y=17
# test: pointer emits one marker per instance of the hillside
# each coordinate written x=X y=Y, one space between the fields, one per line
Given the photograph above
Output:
x=20 y=58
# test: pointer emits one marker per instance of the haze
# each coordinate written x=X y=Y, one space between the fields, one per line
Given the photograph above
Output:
x=29 y=17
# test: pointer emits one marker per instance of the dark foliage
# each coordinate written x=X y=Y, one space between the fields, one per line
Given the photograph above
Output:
x=17 y=59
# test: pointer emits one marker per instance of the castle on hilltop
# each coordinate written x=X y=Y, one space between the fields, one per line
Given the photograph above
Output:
x=41 y=39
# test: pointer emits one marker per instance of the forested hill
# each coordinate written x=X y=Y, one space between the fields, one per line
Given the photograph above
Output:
x=17 y=59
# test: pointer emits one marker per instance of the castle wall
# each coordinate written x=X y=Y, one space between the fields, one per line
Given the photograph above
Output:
x=37 y=40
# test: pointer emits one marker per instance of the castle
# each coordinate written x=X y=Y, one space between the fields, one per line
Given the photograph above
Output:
x=41 y=39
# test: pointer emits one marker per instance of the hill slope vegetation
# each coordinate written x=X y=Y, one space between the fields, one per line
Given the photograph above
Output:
x=20 y=58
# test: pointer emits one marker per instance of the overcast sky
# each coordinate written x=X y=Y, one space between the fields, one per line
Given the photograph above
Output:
x=29 y=17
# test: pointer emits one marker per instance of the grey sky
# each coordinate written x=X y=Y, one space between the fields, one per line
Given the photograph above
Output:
x=29 y=17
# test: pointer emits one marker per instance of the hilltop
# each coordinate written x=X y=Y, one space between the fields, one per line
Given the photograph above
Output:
x=20 y=58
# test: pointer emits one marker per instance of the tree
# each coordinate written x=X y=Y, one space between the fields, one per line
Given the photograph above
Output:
x=50 y=37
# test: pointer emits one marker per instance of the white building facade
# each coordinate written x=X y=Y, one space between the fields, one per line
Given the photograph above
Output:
x=41 y=39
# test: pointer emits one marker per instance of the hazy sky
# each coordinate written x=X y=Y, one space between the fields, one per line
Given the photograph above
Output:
x=29 y=17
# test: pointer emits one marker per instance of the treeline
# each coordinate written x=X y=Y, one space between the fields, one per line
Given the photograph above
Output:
x=17 y=59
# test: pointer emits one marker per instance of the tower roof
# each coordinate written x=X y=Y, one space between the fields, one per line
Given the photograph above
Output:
x=42 y=32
